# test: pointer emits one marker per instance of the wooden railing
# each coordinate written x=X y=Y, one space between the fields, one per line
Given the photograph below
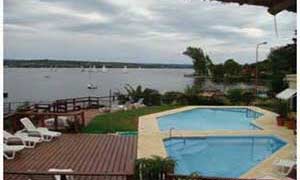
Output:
x=9 y=175
x=185 y=177
x=39 y=117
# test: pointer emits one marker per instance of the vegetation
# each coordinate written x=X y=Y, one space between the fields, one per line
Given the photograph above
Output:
x=282 y=108
x=201 y=61
x=240 y=96
x=151 y=96
x=153 y=168
x=122 y=120
x=38 y=63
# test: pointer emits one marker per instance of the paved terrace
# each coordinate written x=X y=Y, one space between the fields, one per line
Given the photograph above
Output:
x=84 y=153
x=150 y=139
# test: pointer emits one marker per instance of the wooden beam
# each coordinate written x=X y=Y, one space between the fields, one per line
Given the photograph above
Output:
x=281 y=5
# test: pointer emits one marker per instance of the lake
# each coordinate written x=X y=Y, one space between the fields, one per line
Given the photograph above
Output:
x=31 y=84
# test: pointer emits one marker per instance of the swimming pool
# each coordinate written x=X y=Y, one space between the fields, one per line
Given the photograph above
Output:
x=220 y=156
x=210 y=119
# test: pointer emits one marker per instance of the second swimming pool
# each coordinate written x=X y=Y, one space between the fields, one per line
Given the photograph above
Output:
x=210 y=119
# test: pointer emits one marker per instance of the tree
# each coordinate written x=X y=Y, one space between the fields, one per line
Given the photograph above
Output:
x=283 y=61
x=232 y=68
x=201 y=61
x=218 y=72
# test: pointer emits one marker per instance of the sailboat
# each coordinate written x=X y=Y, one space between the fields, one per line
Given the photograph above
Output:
x=124 y=70
x=94 y=69
x=104 y=69
x=90 y=84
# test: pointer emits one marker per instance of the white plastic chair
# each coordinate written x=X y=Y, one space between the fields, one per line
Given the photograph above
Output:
x=11 y=149
x=27 y=141
x=44 y=132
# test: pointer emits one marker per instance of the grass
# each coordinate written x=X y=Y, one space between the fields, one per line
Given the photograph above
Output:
x=122 y=120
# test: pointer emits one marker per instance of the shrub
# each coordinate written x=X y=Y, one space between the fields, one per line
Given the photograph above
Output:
x=151 y=97
x=153 y=168
x=282 y=108
x=235 y=95
x=172 y=97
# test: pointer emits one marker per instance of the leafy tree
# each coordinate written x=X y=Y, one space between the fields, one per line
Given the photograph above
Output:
x=283 y=61
x=232 y=68
x=218 y=72
x=201 y=61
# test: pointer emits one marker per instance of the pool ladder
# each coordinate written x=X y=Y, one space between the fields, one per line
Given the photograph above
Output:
x=170 y=135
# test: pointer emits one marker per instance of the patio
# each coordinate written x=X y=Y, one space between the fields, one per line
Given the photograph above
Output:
x=89 y=156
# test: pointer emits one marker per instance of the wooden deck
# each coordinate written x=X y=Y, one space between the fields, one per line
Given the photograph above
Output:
x=84 y=153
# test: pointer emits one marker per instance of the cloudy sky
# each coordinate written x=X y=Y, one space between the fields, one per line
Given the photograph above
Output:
x=151 y=31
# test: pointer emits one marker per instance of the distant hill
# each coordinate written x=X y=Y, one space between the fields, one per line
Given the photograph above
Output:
x=38 y=63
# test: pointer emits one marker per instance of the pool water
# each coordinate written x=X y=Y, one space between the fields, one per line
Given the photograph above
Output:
x=220 y=156
x=210 y=119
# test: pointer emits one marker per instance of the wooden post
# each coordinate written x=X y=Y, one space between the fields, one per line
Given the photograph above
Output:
x=89 y=102
x=82 y=118
x=110 y=98
x=55 y=122
x=74 y=104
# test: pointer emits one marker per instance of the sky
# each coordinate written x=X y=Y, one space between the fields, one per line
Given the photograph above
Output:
x=148 y=31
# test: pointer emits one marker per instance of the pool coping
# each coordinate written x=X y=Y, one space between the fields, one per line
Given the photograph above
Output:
x=150 y=138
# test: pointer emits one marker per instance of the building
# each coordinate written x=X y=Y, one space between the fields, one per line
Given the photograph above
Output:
x=290 y=93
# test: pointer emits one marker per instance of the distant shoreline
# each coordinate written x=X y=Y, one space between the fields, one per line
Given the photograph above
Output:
x=45 y=63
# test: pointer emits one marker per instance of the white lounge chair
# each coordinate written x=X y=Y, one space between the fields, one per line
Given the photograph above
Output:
x=139 y=103
x=27 y=141
x=44 y=132
x=9 y=151
x=284 y=166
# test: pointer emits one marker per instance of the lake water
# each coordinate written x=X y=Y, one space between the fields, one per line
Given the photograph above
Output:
x=30 y=84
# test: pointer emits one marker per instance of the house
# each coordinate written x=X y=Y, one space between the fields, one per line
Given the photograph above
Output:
x=290 y=93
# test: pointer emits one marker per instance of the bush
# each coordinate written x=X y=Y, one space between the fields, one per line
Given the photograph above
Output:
x=151 y=97
x=153 y=168
x=235 y=95
x=172 y=97
x=282 y=108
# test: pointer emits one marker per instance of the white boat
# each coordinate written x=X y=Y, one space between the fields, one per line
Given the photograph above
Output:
x=104 y=69
x=124 y=70
x=94 y=69
x=82 y=69
x=91 y=86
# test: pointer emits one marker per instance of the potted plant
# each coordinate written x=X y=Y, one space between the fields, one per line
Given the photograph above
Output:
x=291 y=120
x=282 y=111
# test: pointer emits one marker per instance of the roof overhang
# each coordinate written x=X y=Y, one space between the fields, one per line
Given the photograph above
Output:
x=274 y=6
x=286 y=94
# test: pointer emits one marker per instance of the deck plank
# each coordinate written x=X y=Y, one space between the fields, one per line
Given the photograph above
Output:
x=84 y=153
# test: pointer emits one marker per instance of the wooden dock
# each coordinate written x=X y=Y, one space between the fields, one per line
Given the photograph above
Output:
x=85 y=154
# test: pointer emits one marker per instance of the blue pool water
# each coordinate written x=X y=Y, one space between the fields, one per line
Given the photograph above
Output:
x=220 y=156
x=210 y=119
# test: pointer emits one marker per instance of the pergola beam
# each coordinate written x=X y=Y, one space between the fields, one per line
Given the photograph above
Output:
x=274 y=6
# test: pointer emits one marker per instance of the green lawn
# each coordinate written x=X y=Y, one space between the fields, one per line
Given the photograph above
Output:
x=122 y=120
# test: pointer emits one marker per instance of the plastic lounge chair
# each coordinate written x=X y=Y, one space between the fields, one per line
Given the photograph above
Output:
x=44 y=132
x=27 y=141
x=285 y=166
x=9 y=151
x=59 y=177
x=139 y=103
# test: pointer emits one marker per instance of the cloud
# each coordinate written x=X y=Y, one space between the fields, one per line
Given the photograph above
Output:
x=139 y=31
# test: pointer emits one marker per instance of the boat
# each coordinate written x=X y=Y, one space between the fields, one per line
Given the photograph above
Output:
x=104 y=69
x=47 y=76
x=91 y=86
x=94 y=69
x=82 y=69
x=124 y=70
